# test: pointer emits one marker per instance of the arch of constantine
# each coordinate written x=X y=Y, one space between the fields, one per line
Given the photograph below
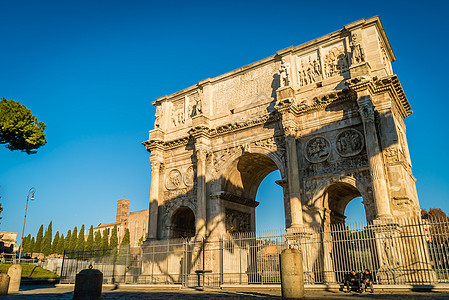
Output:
x=328 y=114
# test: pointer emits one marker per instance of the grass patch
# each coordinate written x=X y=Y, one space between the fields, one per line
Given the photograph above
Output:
x=30 y=271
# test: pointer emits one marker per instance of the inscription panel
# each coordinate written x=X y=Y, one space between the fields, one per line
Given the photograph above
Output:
x=254 y=85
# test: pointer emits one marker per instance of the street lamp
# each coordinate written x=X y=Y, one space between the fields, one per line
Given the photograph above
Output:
x=31 y=192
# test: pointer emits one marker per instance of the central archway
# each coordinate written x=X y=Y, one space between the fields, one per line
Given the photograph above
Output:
x=240 y=182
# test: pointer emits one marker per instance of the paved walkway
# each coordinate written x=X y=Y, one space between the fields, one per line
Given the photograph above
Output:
x=39 y=292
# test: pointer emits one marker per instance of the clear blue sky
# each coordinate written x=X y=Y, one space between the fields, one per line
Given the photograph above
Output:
x=90 y=69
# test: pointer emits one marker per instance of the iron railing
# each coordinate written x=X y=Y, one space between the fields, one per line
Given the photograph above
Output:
x=397 y=252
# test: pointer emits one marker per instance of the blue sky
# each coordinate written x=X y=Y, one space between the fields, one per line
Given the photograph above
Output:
x=90 y=69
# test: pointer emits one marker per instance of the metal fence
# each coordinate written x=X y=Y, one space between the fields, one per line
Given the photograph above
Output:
x=400 y=252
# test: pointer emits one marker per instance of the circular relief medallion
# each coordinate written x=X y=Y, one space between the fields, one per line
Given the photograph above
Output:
x=318 y=149
x=189 y=176
x=349 y=142
x=173 y=180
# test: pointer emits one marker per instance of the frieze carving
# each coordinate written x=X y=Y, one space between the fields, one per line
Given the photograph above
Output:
x=237 y=221
x=173 y=179
x=186 y=192
x=354 y=163
x=273 y=144
x=317 y=149
x=358 y=55
x=189 y=176
x=309 y=71
x=349 y=143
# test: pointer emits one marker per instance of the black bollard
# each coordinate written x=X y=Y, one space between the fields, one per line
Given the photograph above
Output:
x=88 y=284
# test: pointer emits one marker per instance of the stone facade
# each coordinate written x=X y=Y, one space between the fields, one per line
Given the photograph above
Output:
x=136 y=222
x=8 y=241
x=328 y=114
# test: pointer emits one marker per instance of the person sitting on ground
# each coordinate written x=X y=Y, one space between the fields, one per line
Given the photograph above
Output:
x=367 y=281
x=352 y=280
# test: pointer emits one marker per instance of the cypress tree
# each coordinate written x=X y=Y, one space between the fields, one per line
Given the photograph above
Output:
x=60 y=246
x=105 y=239
x=32 y=244
x=125 y=241
x=67 y=240
x=26 y=243
x=90 y=239
x=73 y=239
x=54 y=244
x=46 y=241
x=80 y=241
x=39 y=238
x=114 y=239
x=97 y=240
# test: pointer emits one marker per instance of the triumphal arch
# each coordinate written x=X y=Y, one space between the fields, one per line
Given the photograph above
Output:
x=328 y=114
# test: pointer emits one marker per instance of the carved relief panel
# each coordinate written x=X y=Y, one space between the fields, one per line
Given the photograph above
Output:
x=335 y=152
x=335 y=59
x=237 y=221
x=180 y=184
x=309 y=69
x=349 y=142
x=177 y=114
x=317 y=149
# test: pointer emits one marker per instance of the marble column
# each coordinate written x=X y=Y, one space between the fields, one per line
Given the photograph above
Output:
x=154 y=199
x=293 y=179
x=376 y=165
x=201 y=217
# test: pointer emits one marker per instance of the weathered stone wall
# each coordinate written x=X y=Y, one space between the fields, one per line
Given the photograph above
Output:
x=328 y=114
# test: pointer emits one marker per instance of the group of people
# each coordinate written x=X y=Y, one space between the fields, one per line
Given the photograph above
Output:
x=359 y=282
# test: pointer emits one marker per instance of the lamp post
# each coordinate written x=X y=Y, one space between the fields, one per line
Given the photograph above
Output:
x=31 y=192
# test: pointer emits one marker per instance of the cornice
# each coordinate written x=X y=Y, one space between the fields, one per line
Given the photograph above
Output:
x=206 y=132
x=388 y=84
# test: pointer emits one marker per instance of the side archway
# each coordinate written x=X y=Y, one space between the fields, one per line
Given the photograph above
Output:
x=182 y=223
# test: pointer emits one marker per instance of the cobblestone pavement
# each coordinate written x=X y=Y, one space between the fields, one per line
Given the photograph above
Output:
x=191 y=294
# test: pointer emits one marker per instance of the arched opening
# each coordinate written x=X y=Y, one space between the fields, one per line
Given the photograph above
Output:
x=183 y=223
x=355 y=211
x=336 y=198
x=248 y=176
x=347 y=245
x=270 y=213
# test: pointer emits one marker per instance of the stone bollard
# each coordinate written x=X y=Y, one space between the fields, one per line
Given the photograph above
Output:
x=4 y=284
x=292 y=283
x=15 y=275
x=88 y=284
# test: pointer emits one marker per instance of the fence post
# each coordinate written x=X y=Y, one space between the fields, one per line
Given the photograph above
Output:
x=62 y=265
x=221 y=259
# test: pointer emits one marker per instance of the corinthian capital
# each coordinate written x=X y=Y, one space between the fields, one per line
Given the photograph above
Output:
x=366 y=108
x=201 y=154
x=156 y=165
